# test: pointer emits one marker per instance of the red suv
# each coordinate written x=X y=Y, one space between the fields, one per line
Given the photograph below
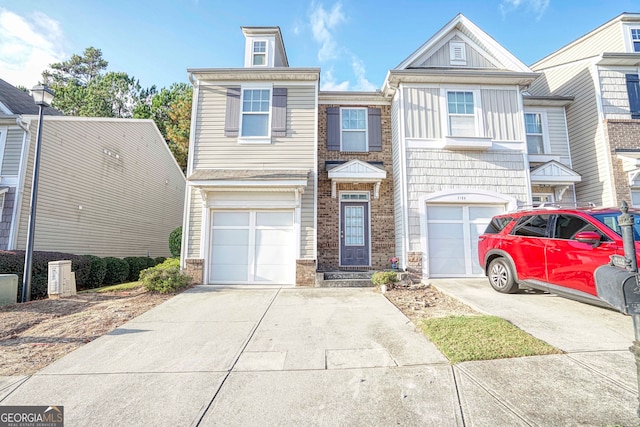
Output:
x=554 y=250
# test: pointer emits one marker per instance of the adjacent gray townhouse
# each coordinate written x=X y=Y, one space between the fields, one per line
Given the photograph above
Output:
x=285 y=180
x=107 y=187
x=600 y=70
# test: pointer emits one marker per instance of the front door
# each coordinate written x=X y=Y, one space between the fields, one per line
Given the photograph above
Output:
x=354 y=234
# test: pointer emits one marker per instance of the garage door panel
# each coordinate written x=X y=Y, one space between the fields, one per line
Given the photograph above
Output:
x=230 y=273
x=484 y=212
x=230 y=219
x=274 y=219
x=447 y=265
x=445 y=213
x=446 y=231
x=273 y=247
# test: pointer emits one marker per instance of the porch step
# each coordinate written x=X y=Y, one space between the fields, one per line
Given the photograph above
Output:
x=344 y=279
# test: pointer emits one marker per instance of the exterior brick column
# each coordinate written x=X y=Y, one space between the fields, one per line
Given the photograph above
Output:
x=194 y=268
x=414 y=266
x=305 y=272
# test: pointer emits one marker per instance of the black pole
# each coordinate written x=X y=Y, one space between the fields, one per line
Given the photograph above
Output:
x=28 y=256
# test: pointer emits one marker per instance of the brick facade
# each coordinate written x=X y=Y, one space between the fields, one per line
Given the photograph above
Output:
x=195 y=268
x=305 y=272
x=414 y=266
x=622 y=134
x=381 y=210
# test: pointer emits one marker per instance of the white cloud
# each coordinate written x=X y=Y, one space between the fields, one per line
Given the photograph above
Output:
x=323 y=22
x=27 y=46
x=330 y=83
x=537 y=7
x=359 y=70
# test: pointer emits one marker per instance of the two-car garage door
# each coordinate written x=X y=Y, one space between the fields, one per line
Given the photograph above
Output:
x=452 y=237
x=252 y=247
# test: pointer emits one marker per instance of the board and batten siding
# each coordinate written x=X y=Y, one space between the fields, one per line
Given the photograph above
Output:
x=398 y=177
x=92 y=202
x=613 y=90
x=502 y=114
x=422 y=113
x=430 y=171
x=609 y=39
x=12 y=152
x=296 y=150
x=442 y=57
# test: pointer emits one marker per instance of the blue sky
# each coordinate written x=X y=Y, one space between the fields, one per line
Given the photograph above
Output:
x=354 y=42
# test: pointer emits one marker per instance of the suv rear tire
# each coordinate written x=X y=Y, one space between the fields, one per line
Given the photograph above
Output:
x=501 y=276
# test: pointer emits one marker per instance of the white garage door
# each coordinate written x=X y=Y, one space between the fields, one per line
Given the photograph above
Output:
x=452 y=238
x=252 y=247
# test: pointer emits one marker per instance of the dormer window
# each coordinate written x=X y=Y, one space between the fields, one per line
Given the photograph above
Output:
x=635 y=39
x=458 y=53
x=259 y=53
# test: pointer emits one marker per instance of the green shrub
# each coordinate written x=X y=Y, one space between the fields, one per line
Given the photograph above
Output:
x=97 y=272
x=117 y=271
x=12 y=262
x=136 y=265
x=159 y=260
x=165 y=278
x=175 y=242
x=384 y=277
x=149 y=262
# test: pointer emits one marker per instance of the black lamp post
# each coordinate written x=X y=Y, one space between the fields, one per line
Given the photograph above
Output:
x=42 y=96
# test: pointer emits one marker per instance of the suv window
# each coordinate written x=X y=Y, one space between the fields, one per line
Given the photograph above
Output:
x=498 y=224
x=532 y=226
x=567 y=226
x=611 y=221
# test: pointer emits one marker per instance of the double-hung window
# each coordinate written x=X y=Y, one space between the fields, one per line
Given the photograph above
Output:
x=462 y=119
x=255 y=113
x=535 y=137
x=259 y=53
x=635 y=39
x=354 y=129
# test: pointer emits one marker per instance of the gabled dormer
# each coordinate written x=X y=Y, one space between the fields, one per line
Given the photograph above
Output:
x=264 y=48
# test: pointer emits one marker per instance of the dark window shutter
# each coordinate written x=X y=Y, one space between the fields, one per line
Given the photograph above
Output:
x=375 y=130
x=333 y=129
x=279 y=112
x=633 y=89
x=232 y=116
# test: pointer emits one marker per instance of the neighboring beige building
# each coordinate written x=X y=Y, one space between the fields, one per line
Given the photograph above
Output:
x=250 y=210
x=107 y=187
x=601 y=71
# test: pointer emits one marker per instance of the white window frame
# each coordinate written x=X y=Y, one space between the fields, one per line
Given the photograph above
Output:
x=366 y=129
x=633 y=190
x=265 y=53
x=4 y=130
x=477 y=112
x=255 y=139
x=459 y=47
x=545 y=132
x=542 y=196
x=628 y=39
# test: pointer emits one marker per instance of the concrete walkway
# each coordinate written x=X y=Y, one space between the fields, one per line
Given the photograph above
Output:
x=242 y=357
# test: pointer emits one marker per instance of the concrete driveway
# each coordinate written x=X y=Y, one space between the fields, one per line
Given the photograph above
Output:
x=243 y=357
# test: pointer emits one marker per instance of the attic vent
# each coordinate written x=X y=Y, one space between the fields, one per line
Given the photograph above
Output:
x=458 y=53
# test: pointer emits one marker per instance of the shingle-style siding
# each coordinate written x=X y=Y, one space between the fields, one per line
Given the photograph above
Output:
x=502 y=114
x=213 y=150
x=398 y=207
x=442 y=58
x=422 y=113
x=6 y=214
x=92 y=202
x=430 y=171
x=613 y=89
x=610 y=39
x=382 y=209
x=12 y=152
x=589 y=151
x=621 y=134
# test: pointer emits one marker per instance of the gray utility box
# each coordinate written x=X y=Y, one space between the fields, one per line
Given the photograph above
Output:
x=62 y=281
x=8 y=289
x=620 y=288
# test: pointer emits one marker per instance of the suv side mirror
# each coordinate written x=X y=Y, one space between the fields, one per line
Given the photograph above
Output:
x=590 y=237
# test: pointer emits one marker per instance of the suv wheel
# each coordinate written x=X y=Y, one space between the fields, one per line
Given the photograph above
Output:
x=501 y=276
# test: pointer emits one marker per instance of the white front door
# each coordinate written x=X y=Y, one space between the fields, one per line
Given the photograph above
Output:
x=452 y=238
x=252 y=247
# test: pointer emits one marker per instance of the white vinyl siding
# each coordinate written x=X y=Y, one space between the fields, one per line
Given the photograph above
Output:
x=429 y=171
x=195 y=224
x=613 y=89
x=12 y=152
x=502 y=114
x=442 y=57
x=90 y=202
x=422 y=117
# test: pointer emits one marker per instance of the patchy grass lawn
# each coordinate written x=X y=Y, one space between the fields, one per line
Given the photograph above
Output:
x=466 y=338
x=115 y=288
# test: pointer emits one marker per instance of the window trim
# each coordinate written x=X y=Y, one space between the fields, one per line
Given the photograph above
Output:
x=265 y=53
x=477 y=111
x=628 y=39
x=550 y=195
x=545 y=131
x=633 y=190
x=366 y=129
x=255 y=139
